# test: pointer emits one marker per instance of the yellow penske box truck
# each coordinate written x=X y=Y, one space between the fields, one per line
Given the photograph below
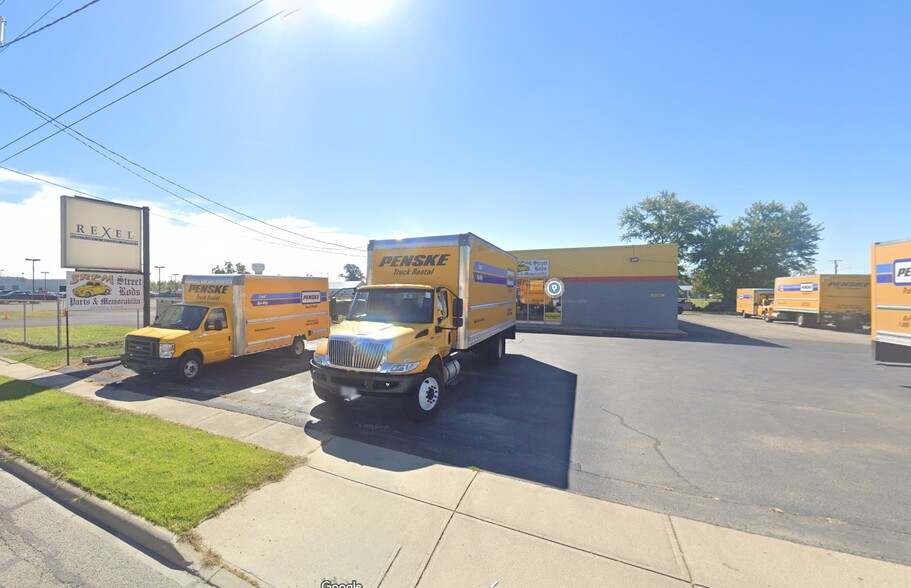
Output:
x=890 y=327
x=842 y=300
x=750 y=301
x=225 y=316
x=426 y=300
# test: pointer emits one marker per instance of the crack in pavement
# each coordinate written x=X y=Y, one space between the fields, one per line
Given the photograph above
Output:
x=656 y=445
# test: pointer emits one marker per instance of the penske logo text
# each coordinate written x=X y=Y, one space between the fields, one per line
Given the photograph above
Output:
x=414 y=260
x=207 y=289
x=901 y=272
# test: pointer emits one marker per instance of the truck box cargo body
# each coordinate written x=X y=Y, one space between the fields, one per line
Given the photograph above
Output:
x=425 y=299
x=750 y=301
x=842 y=300
x=890 y=327
x=225 y=316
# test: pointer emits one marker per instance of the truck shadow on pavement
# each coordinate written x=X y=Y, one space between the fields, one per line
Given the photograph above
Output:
x=704 y=334
x=515 y=418
x=214 y=381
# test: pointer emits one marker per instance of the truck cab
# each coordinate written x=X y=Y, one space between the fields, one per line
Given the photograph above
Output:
x=182 y=339
x=394 y=342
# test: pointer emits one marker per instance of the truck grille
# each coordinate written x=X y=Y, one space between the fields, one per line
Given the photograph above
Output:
x=361 y=355
x=141 y=346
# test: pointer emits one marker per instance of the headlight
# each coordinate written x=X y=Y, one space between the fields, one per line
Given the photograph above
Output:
x=403 y=367
x=321 y=359
x=166 y=350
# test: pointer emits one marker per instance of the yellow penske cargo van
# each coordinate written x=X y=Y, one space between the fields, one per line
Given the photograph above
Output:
x=750 y=301
x=225 y=316
x=890 y=327
x=426 y=299
x=842 y=300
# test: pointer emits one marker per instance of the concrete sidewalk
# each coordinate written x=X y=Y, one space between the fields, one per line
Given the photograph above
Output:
x=358 y=513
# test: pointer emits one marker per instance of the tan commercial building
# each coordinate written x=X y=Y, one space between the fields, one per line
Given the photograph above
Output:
x=617 y=288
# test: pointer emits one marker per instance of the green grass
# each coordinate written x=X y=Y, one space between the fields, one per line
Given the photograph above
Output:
x=702 y=302
x=80 y=336
x=49 y=360
x=16 y=315
x=174 y=476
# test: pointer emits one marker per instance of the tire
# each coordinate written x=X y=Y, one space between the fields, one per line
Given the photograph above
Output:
x=425 y=404
x=327 y=395
x=805 y=320
x=189 y=367
x=494 y=350
x=767 y=317
x=298 y=347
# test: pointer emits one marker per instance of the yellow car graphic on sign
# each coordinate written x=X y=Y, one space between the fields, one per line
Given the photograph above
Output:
x=89 y=289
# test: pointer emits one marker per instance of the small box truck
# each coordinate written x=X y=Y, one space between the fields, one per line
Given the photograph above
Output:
x=890 y=326
x=426 y=300
x=842 y=300
x=750 y=301
x=225 y=316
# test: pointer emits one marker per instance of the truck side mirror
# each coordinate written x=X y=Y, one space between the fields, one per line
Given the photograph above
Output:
x=213 y=326
x=457 y=322
x=458 y=309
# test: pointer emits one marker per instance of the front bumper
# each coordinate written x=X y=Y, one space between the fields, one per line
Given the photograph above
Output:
x=365 y=383
x=148 y=364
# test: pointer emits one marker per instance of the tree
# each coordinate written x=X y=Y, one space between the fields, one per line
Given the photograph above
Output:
x=769 y=240
x=352 y=273
x=230 y=268
x=666 y=219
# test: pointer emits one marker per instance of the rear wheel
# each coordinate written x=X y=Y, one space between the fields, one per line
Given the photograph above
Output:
x=767 y=317
x=298 y=347
x=425 y=405
x=189 y=367
x=494 y=349
x=804 y=320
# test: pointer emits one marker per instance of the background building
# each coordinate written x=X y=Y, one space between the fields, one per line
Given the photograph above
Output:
x=622 y=288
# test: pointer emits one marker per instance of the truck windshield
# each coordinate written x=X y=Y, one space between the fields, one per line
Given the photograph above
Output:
x=182 y=316
x=392 y=306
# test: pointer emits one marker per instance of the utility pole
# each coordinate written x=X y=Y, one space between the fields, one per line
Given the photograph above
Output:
x=45 y=280
x=159 y=267
x=33 y=260
x=835 y=261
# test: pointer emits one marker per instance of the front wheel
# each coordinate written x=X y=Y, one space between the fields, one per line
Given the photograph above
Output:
x=189 y=366
x=425 y=405
x=767 y=317
x=327 y=395
x=298 y=347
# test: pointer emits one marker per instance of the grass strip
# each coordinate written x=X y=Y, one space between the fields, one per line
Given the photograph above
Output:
x=80 y=335
x=50 y=360
x=171 y=475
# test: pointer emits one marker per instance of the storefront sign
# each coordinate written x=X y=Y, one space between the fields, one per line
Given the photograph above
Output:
x=103 y=291
x=533 y=268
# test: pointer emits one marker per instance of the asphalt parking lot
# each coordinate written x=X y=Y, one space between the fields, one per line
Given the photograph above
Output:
x=769 y=428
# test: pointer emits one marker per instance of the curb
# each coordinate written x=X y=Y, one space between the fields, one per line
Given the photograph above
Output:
x=122 y=524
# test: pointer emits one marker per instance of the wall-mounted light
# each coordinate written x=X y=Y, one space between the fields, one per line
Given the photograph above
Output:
x=633 y=259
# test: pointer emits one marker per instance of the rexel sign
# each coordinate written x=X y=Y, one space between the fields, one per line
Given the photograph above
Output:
x=99 y=235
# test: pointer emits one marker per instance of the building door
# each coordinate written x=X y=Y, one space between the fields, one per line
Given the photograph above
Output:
x=533 y=305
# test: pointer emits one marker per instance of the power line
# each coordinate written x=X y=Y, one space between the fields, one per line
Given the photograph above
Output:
x=167 y=73
x=73 y=133
x=177 y=220
x=23 y=34
x=126 y=77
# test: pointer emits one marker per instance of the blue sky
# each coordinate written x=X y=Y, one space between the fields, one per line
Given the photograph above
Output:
x=531 y=124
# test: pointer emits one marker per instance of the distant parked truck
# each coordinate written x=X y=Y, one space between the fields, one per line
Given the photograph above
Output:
x=225 y=316
x=890 y=328
x=750 y=301
x=842 y=300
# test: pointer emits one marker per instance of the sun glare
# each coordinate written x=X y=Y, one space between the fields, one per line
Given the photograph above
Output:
x=359 y=11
